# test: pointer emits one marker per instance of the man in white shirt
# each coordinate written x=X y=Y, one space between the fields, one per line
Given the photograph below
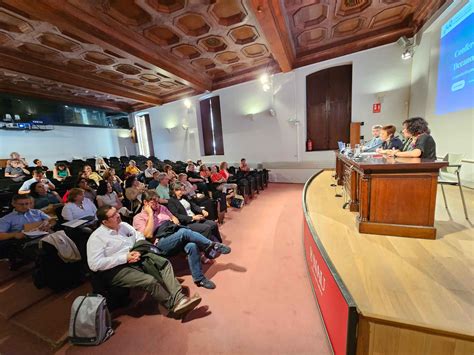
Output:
x=38 y=176
x=108 y=252
x=150 y=170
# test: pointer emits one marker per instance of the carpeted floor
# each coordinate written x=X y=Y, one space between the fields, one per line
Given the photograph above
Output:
x=263 y=303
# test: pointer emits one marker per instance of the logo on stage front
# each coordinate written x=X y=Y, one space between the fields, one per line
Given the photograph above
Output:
x=317 y=272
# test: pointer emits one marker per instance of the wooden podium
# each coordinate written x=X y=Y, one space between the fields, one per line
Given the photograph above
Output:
x=394 y=196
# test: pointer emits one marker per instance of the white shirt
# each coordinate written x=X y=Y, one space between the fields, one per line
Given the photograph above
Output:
x=107 y=248
x=27 y=184
x=149 y=172
x=72 y=211
x=109 y=199
x=187 y=207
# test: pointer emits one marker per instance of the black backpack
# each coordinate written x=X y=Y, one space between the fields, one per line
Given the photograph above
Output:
x=51 y=271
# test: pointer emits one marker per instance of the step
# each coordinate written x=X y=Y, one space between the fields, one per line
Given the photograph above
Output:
x=49 y=318
x=18 y=294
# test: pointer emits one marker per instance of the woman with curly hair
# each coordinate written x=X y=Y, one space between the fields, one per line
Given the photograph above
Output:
x=423 y=143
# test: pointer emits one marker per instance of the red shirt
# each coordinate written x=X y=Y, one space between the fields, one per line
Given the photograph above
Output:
x=225 y=174
x=216 y=177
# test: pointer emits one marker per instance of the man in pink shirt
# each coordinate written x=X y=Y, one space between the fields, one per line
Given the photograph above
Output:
x=157 y=220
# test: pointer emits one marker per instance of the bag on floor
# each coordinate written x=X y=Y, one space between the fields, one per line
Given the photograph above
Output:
x=90 y=322
x=237 y=201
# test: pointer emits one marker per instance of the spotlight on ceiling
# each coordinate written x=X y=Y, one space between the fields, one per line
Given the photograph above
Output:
x=408 y=46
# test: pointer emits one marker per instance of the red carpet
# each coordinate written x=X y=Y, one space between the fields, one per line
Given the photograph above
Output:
x=263 y=303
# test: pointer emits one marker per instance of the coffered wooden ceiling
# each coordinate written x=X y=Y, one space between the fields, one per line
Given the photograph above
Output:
x=131 y=54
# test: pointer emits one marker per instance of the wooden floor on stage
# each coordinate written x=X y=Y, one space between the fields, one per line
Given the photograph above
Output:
x=423 y=283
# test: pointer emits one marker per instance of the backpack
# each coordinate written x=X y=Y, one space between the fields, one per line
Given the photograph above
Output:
x=90 y=322
x=237 y=201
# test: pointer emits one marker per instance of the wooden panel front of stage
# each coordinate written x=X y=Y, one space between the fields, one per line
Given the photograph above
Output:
x=414 y=296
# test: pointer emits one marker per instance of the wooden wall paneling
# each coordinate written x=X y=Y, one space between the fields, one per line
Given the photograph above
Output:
x=316 y=109
x=355 y=133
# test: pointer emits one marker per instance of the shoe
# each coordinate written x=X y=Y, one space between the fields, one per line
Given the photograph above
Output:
x=206 y=284
x=221 y=248
x=186 y=304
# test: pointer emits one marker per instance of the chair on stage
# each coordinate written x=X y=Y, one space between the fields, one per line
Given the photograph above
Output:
x=450 y=175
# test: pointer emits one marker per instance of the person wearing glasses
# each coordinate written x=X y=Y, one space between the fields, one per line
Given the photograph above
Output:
x=423 y=144
x=109 y=252
x=12 y=236
x=157 y=221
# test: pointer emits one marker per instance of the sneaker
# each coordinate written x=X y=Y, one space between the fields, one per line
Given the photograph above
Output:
x=206 y=284
x=221 y=248
x=186 y=304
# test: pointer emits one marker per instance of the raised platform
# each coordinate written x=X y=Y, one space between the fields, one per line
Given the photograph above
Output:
x=411 y=295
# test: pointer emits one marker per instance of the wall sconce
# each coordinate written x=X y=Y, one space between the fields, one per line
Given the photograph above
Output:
x=184 y=126
x=187 y=103
x=272 y=112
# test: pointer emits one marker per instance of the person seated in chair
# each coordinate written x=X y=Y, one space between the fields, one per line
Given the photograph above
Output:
x=39 y=165
x=101 y=166
x=157 y=221
x=195 y=178
x=38 y=176
x=61 y=172
x=109 y=253
x=221 y=179
x=189 y=189
x=375 y=142
x=153 y=184
x=191 y=215
x=390 y=142
x=87 y=173
x=78 y=206
x=114 y=180
x=172 y=176
x=17 y=156
x=163 y=190
x=133 y=192
x=16 y=171
x=244 y=167
x=12 y=227
x=423 y=144
x=42 y=197
x=150 y=170
x=205 y=173
x=132 y=168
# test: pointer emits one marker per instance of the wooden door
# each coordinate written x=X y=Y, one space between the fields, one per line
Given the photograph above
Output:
x=328 y=103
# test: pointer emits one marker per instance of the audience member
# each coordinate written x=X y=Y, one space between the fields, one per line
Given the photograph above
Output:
x=169 y=171
x=87 y=173
x=153 y=184
x=61 y=172
x=423 y=143
x=42 y=197
x=205 y=173
x=163 y=189
x=38 y=176
x=107 y=196
x=39 y=165
x=16 y=171
x=12 y=226
x=133 y=192
x=390 y=142
x=101 y=166
x=131 y=168
x=244 y=166
x=189 y=189
x=188 y=162
x=78 y=206
x=109 y=253
x=191 y=215
x=375 y=142
x=195 y=178
x=16 y=156
x=150 y=169
x=115 y=181
x=221 y=178
x=157 y=220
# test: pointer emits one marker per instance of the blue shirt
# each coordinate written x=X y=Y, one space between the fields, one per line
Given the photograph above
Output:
x=14 y=221
x=373 y=144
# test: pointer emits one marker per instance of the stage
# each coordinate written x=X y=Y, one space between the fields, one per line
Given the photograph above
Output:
x=403 y=295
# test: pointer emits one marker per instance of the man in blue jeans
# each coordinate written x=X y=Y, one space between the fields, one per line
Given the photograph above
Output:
x=157 y=218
